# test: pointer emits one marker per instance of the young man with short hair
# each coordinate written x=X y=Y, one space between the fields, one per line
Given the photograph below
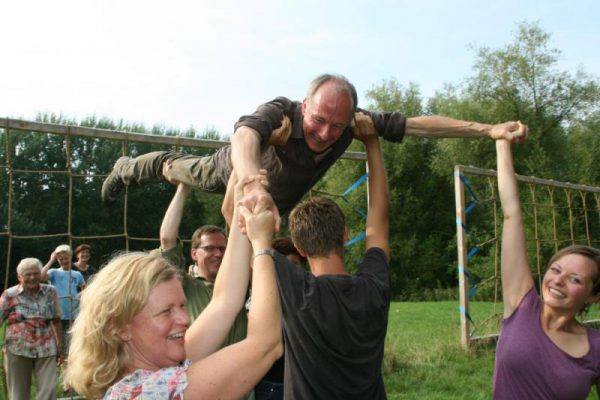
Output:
x=334 y=323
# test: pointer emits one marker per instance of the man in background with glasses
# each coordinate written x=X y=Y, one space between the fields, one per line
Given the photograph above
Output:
x=208 y=247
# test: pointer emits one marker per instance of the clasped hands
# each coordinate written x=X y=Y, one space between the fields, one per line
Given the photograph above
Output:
x=258 y=217
x=513 y=131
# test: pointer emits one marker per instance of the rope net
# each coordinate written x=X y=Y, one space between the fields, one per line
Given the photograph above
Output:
x=555 y=215
x=50 y=181
x=51 y=177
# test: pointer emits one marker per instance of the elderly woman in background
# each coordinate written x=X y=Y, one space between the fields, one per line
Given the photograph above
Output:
x=131 y=338
x=33 y=339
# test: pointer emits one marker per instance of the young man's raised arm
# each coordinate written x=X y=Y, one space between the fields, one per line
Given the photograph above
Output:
x=377 y=231
x=169 y=228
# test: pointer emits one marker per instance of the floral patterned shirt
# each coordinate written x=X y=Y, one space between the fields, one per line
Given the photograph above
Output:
x=166 y=383
x=29 y=332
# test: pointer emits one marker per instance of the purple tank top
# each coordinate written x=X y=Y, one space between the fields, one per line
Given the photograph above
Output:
x=530 y=366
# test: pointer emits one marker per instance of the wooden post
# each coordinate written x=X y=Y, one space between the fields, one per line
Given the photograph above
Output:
x=461 y=242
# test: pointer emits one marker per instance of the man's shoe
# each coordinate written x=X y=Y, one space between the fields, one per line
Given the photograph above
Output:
x=113 y=184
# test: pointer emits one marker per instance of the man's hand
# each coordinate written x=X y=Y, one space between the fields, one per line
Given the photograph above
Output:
x=257 y=199
x=252 y=193
x=281 y=135
x=166 y=171
x=362 y=127
x=241 y=187
x=514 y=132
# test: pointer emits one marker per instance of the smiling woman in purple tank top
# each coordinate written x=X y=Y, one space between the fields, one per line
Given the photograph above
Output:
x=543 y=352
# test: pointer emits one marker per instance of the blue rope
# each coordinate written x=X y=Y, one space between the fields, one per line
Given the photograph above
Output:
x=356 y=208
x=355 y=239
x=464 y=312
x=360 y=180
x=468 y=186
x=471 y=278
x=471 y=192
x=356 y=184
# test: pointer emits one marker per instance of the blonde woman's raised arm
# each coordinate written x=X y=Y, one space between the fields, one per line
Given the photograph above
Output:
x=234 y=370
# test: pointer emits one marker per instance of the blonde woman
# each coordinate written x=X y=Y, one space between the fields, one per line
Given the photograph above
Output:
x=132 y=338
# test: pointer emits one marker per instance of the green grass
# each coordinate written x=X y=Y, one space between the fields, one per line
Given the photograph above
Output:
x=424 y=358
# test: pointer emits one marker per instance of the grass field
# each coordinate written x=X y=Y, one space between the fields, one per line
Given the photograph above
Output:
x=424 y=359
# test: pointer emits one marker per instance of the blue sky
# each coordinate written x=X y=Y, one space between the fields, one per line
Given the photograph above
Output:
x=200 y=63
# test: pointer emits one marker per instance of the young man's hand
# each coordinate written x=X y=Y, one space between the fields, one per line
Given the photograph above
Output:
x=513 y=131
x=363 y=127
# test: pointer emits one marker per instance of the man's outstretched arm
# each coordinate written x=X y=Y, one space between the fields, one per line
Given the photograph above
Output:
x=392 y=126
x=444 y=127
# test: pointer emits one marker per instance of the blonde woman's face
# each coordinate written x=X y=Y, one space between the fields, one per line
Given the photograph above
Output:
x=155 y=336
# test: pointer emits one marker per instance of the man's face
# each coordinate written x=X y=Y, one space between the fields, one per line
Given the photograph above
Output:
x=64 y=260
x=325 y=116
x=209 y=254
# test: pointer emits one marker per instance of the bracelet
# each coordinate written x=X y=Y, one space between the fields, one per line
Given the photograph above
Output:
x=265 y=252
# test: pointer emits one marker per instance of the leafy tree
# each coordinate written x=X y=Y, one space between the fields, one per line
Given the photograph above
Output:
x=420 y=200
x=584 y=141
x=519 y=82
x=41 y=181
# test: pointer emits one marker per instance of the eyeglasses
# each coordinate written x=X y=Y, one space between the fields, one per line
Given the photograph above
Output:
x=210 y=249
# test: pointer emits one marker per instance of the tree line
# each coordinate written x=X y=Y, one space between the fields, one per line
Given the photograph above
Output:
x=520 y=81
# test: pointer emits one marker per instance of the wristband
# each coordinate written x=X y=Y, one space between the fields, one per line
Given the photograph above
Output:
x=265 y=252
